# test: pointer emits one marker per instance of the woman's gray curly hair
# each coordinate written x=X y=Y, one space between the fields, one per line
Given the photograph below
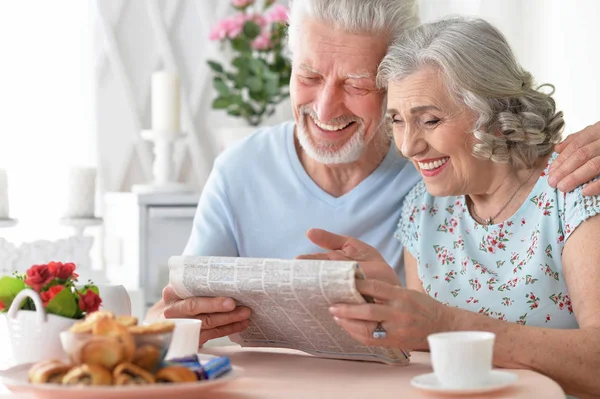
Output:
x=516 y=122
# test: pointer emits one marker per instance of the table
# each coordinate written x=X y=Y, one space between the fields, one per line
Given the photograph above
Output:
x=282 y=373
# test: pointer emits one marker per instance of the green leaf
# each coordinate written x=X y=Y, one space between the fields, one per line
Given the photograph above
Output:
x=280 y=63
x=251 y=30
x=237 y=100
x=215 y=66
x=9 y=288
x=63 y=304
x=272 y=87
x=240 y=62
x=221 y=87
x=234 y=112
x=221 y=103
x=254 y=83
x=257 y=66
x=259 y=96
x=241 y=45
x=240 y=80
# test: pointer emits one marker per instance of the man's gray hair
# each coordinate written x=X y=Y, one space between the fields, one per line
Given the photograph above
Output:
x=517 y=122
x=387 y=17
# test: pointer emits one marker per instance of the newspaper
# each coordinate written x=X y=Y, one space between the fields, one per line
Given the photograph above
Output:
x=289 y=301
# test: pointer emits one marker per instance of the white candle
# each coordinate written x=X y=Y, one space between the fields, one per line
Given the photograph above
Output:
x=4 y=210
x=165 y=101
x=81 y=193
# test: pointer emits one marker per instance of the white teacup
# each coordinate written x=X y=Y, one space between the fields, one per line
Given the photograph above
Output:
x=115 y=299
x=462 y=359
x=185 y=339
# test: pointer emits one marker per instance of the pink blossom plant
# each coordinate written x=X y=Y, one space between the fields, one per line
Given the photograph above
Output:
x=242 y=3
x=278 y=13
x=259 y=78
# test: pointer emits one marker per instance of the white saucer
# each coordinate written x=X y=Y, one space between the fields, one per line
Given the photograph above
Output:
x=498 y=380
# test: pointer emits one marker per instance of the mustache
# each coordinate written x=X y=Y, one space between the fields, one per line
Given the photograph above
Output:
x=340 y=120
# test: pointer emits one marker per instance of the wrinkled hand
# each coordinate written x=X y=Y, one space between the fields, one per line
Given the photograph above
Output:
x=578 y=162
x=408 y=316
x=220 y=316
x=347 y=248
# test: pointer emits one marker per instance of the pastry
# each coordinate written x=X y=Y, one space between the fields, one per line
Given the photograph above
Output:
x=154 y=328
x=90 y=320
x=127 y=321
x=99 y=314
x=147 y=357
x=48 y=371
x=111 y=328
x=103 y=351
x=130 y=374
x=175 y=374
x=88 y=374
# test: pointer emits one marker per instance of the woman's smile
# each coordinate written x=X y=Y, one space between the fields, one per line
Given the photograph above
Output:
x=432 y=167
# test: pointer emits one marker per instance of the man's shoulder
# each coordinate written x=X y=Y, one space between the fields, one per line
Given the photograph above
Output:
x=264 y=146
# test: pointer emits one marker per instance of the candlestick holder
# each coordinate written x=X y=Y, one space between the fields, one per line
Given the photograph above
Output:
x=6 y=223
x=80 y=224
x=163 y=167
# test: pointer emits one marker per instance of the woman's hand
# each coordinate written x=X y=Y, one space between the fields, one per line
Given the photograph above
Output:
x=407 y=316
x=347 y=248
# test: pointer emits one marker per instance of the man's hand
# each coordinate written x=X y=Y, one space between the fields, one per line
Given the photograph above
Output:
x=220 y=317
x=347 y=248
x=578 y=162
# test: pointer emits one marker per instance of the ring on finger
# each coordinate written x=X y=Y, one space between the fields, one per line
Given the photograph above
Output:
x=379 y=332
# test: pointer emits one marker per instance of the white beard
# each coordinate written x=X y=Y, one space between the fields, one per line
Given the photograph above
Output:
x=348 y=153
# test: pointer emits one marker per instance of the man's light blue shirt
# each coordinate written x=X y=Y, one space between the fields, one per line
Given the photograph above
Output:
x=259 y=202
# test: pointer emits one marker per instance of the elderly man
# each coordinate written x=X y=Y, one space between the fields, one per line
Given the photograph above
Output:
x=333 y=167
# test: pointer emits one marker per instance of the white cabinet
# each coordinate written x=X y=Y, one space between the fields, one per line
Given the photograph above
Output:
x=141 y=232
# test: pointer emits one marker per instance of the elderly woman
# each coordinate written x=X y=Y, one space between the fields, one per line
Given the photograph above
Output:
x=489 y=244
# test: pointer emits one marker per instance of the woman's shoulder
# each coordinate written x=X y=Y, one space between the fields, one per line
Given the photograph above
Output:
x=573 y=207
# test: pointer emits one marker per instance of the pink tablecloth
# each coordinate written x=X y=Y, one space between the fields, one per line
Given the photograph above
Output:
x=280 y=373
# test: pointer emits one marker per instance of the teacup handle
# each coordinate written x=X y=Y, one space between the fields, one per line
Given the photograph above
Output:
x=16 y=304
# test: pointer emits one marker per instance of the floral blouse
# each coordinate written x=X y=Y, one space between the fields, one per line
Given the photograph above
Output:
x=511 y=270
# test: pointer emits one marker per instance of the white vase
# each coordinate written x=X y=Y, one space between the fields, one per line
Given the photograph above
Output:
x=227 y=136
x=32 y=336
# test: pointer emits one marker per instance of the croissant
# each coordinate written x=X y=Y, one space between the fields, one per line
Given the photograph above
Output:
x=175 y=374
x=88 y=374
x=102 y=351
x=48 y=371
x=111 y=328
x=130 y=374
x=147 y=357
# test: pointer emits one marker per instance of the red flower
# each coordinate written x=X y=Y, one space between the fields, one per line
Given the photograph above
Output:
x=38 y=276
x=89 y=302
x=2 y=306
x=47 y=296
x=62 y=271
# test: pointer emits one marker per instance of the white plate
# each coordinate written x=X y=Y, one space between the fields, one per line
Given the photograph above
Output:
x=16 y=380
x=499 y=379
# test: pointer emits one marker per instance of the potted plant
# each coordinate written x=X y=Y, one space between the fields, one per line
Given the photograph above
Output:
x=39 y=304
x=257 y=79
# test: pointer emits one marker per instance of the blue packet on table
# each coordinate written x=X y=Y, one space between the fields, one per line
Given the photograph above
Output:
x=205 y=370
